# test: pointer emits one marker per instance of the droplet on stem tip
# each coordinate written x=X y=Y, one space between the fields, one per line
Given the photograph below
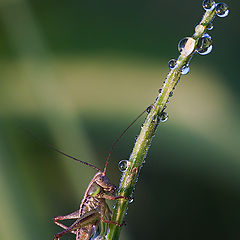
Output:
x=208 y=5
x=222 y=10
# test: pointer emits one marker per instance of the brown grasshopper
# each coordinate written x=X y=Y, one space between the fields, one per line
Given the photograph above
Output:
x=93 y=209
x=94 y=213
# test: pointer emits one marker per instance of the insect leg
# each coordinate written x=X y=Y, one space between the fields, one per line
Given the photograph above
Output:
x=88 y=218
x=73 y=215
x=106 y=196
x=103 y=211
x=109 y=221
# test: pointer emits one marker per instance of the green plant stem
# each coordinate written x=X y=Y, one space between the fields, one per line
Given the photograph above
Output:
x=142 y=144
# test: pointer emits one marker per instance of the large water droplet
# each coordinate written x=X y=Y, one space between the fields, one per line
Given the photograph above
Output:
x=204 y=45
x=186 y=46
x=185 y=69
x=222 y=9
x=163 y=117
x=172 y=63
x=208 y=5
x=123 y=165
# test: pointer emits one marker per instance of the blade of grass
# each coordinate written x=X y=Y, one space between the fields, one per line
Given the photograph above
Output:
x=143 y=142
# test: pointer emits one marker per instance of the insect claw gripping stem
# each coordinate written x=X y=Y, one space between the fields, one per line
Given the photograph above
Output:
x=200 y=43
x=122 y=197
x=111 y=222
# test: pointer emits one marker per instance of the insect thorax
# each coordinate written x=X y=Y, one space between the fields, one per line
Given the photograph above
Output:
x=92 y=200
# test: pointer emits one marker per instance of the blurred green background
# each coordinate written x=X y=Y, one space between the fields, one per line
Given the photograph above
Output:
x=76 y=73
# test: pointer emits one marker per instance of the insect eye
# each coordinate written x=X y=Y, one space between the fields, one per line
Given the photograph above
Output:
x=102 y=179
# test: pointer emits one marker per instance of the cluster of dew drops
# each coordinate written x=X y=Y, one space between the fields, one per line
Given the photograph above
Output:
x=186 y=46
x=204 y=46
x=124 y=164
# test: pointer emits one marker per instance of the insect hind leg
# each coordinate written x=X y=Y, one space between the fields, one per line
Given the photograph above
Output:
x=82 y=227
x=69 y=230
x=73 y=215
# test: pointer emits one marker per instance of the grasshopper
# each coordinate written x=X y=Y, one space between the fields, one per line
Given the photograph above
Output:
x=94 y=213
x=93 y=209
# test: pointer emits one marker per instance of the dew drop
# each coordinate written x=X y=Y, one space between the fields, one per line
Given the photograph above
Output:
x=185 y=69
x=182 y=44
x=170 y=94
x=186 y=46
x=222 y=9
x=204 y=45
x=172 y=63
x=208 y=5
x=199 y=28
x=130 y=200
x=163 y=117
x=207 y=51
x=159 y=90
x=148 y=110
x=210 y=26
x=123 y=165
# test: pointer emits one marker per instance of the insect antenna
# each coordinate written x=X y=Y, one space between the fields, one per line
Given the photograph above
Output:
x=123 y=132
x=57 y=150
